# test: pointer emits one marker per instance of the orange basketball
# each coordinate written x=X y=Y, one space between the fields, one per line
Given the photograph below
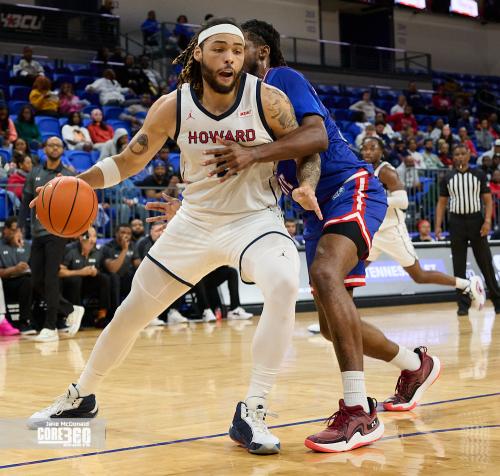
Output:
x=66 y=206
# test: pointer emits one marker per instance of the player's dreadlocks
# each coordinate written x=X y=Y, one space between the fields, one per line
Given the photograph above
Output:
x=191 y=69
x=262 y=33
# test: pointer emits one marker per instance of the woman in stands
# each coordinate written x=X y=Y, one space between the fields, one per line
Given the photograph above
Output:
x=27 y=129
x=8 y=133
x=20 y=148
x=16 y=180
x=76 y=137
x=69 y=102
x=100 y=132
x=43 y=99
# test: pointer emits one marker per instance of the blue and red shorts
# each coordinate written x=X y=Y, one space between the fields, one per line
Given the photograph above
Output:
x=360 y=200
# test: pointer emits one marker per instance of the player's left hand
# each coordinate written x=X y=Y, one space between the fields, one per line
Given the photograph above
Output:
x=306 y=198
x=485 y=229
x=229 y=159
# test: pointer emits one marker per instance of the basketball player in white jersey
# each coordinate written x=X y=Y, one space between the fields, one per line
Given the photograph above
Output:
x=236 y=223
x=393 y=239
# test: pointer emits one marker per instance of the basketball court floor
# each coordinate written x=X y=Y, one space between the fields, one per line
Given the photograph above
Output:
x=168 y=407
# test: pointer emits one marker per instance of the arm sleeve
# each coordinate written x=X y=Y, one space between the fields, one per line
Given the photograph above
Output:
x=443 y=187
x=398 y=199
x=304 y=99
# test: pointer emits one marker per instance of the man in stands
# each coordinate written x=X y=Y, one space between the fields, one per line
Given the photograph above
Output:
x=367 y=106
x=27 y=69
x=81 y=276
x=157 y=182
x=137 y=227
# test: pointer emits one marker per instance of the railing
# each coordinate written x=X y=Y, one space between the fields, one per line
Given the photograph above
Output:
x=308 y=52
x=56 y=27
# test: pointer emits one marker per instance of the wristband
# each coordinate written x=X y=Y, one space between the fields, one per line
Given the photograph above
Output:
x=110 y=172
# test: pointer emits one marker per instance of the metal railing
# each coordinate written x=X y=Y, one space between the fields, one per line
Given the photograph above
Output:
x=57 y=27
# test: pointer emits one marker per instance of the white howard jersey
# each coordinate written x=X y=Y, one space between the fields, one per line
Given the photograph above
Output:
x=393 y=216
x=254 y=188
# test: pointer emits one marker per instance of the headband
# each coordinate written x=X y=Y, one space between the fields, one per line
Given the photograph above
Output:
x=218 y=29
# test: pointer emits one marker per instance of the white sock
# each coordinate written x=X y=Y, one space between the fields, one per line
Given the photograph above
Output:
x=354 y=389
x=461 y=283
x=82 y=391
x=406 y=359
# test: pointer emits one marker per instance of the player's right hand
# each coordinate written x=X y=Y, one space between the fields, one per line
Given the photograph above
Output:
x=306 y=198
x=168 y=208
x=33 y=202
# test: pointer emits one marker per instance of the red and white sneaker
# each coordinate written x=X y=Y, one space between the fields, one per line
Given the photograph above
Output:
x=412 y=384
x=349 y=428
x=6 y=329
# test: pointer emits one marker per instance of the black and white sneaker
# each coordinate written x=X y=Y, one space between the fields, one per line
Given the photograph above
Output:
x=476 y=292
x=69 y=405
x=249 y=430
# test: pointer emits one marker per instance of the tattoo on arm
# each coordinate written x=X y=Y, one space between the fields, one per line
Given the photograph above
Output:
x=309 y=170
x=281 y=109
x=139 y=145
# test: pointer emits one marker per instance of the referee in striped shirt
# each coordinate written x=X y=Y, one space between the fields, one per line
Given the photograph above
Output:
x=465 y=191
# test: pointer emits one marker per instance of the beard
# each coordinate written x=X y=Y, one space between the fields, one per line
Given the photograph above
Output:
x=210 y=76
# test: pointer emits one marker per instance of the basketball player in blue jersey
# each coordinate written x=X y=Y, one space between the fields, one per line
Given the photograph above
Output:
x=353 y=205
x=235 y=223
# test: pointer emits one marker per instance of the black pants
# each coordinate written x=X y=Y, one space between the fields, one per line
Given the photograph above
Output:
x=77 y=288
x=465 y=229
x=19 y=290
x=46 y=256
x=217 y=277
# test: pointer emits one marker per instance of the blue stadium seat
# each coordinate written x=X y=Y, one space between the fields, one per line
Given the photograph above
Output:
x=82 y=81
x=15 y=106
x=48 y=135
x=19 y=93
x=62 y=121
x=88 y=109
x=63 y=78
x=111 y=112
x=78 y=68
x=80 y=160
x=48 y=125
x=175 y=159
x=141 y=115
x=116 y=124
x=5 y=156
x=5 y=205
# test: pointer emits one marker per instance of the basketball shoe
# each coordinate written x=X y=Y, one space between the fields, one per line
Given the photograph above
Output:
x=412 y=384
x=475 y=291
x=68 y=405
x=347 y=429
x=239 y=313
x=249 y=430
x=314 y=328
x=6 y=328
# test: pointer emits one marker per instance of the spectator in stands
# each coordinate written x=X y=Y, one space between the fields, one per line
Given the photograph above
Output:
x=43 y=99
x=438 y=130
x=465 y=139
x=115 y=146
x=99 y=131
x=75 y=135
x=137 y=227
x=494 y=151
x=414 y=98
x=109 y=89
x=441 y=102
x=380 y=131
x=183 y=32
x=47 y=250
x=291 y=226
x=151 y=30
x=164 y=155
x=157 y=182
x=400 y=105
x=131 y=76
x=495 y=186
x=27 y=128
x=155 y=81
x=494 y=125
x=17 y=179
x=417 y=156
x=8 y=133
x=408 y=174
x=484 y=138
x=366 y=106
x=431 y=160
x=15 y=273
x=368 y=132
x=487 y=166
x=424 y=232
x=402 y=120
x=448 y=136
x=69 y=102
x=466 y=121
x=126 y=199
x=27 y=70
x=444 y=153
x=118 y=55
x=388 y=130
x=20 y=149
x=81 y=275
x=397 y=155
x=117 y=255
x=129 y=114
x=456 y=111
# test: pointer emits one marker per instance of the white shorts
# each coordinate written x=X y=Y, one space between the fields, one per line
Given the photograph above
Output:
x=190 y=248
x=396 y=243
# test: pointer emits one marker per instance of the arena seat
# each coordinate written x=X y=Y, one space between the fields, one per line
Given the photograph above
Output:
x=19 y=93
x=15 y=106
x=48 y=125
x=5 y=156
x=63 y=78
x=111 y=112
x=79 y=159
